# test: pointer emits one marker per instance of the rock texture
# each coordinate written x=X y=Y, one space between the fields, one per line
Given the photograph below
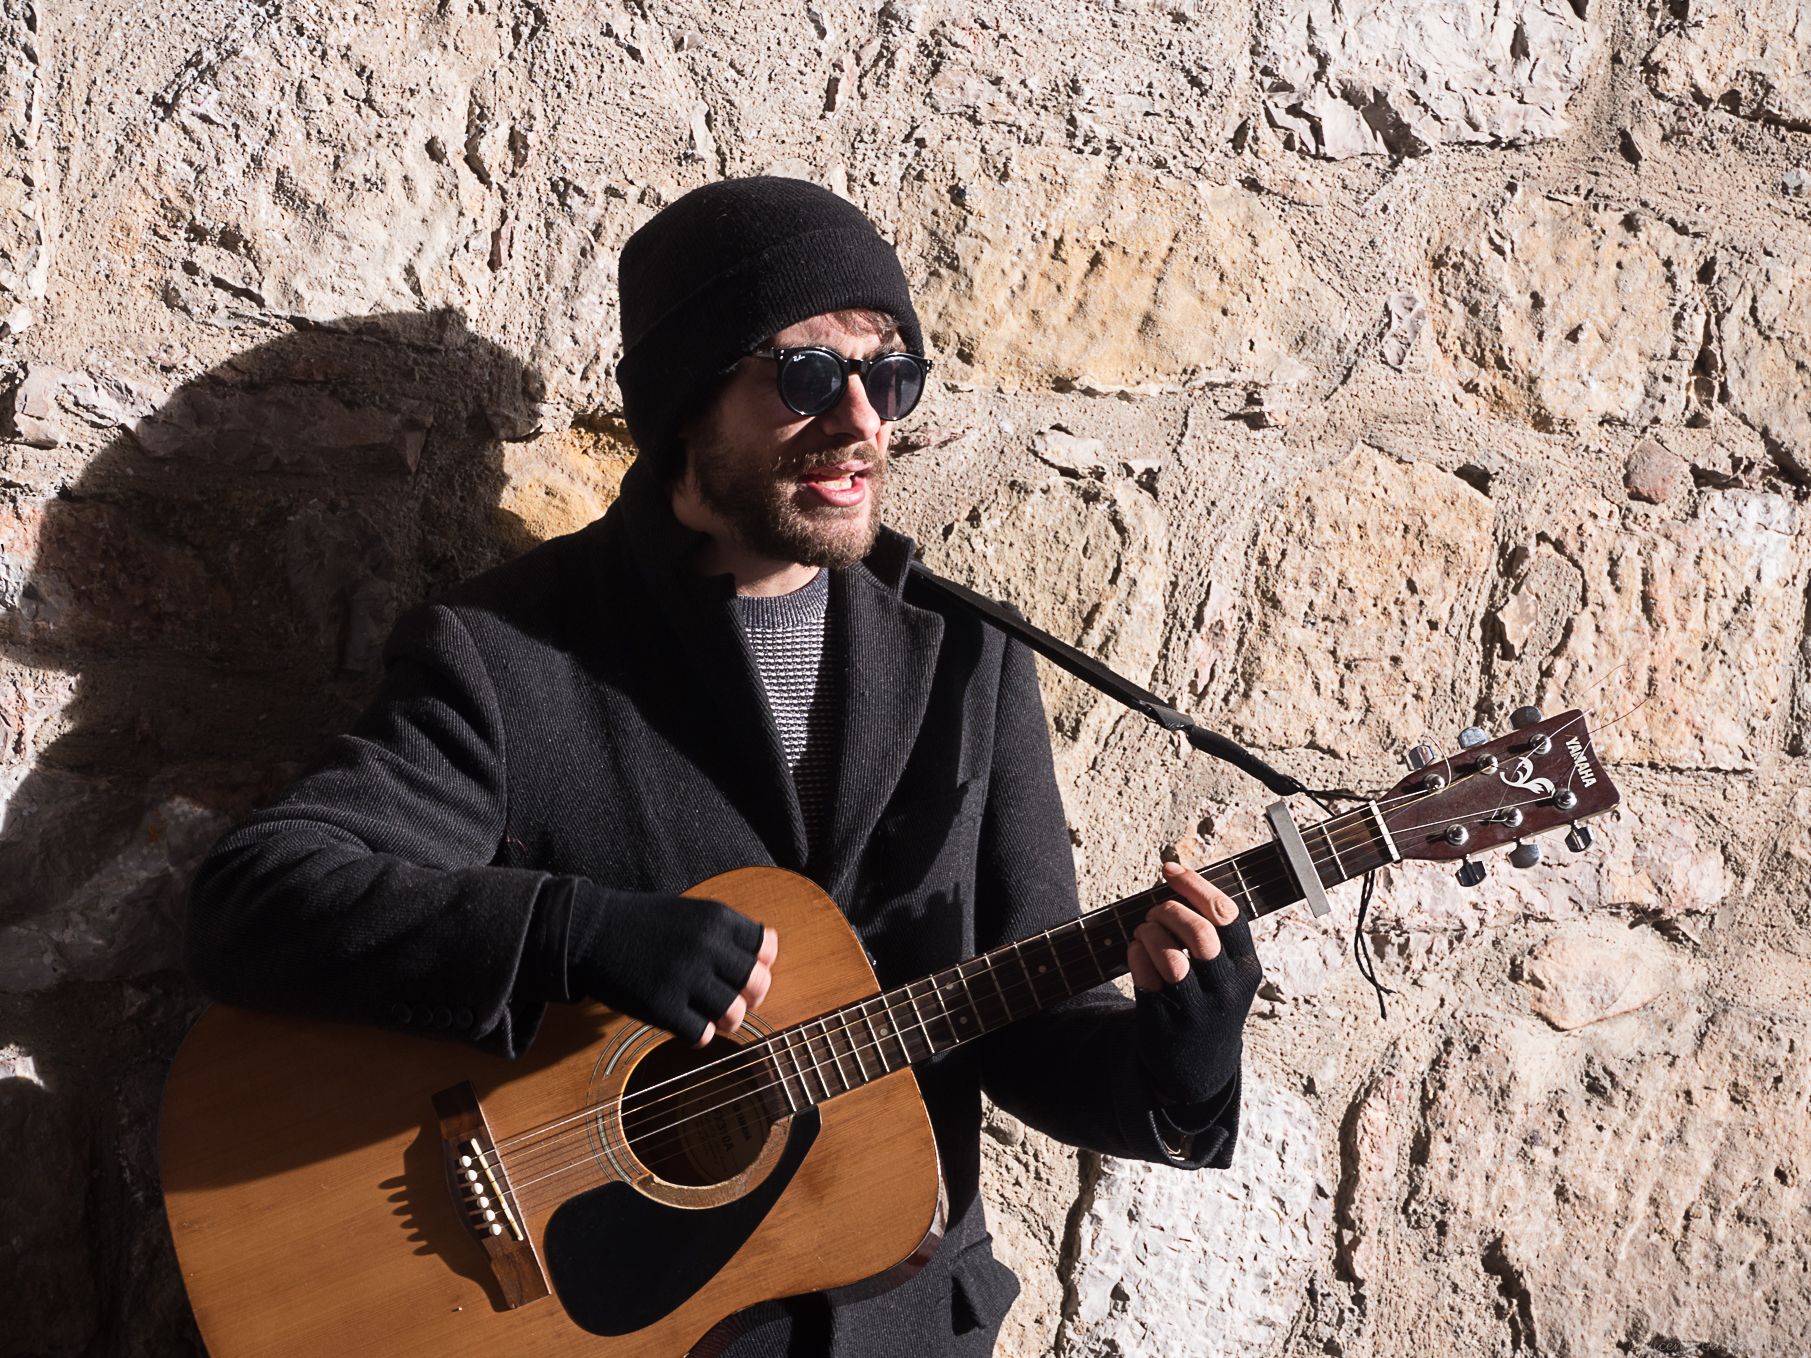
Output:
x=1618 y=1145
x=24 y=169
x=1146 y=1236
x=1104 y=278
x=1366 y=585
x=1698 y=646
x=1401 y=77
x=1347 y=373
x=1103 y=587
x=1765 y=322
x=1564 y=314
x=1753 y=60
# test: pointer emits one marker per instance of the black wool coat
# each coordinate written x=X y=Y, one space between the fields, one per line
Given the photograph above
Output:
x=592 y=709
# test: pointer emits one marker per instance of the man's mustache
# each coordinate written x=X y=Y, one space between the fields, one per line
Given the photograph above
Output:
x=790 y=467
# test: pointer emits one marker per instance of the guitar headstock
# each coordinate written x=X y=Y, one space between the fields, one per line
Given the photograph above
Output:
x=1542 y=775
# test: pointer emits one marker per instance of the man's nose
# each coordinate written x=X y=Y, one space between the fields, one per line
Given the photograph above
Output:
x=852 y=414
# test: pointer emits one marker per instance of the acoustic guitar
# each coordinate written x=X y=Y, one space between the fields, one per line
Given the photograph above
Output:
x=615 y=1192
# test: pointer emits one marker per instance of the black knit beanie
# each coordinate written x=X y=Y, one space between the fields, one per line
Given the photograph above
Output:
x=718 y=272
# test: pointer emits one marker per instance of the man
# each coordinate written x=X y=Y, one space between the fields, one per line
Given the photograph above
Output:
x=731 y=668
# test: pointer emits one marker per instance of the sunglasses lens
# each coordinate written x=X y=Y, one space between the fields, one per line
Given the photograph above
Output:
x=810 y=382
x=894 y=385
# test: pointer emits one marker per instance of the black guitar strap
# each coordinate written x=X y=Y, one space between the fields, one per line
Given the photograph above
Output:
x=1091 y=671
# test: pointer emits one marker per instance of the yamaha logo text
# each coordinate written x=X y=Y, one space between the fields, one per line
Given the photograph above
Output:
x=1580 y=762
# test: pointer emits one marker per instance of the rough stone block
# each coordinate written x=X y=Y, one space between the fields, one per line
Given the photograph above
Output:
x=1599 y=970
x=1362 y=595
x=1653 y=474
x=304 y=208
x=1563 y=314
x=1084 y=560
x=24 y=171
x=1764 y=320
x=1752 y=59
x=1666 y=1155
x=557 y=483
x=1401 y=77
x=1201 y=1264
x=1683 y=631
x=294 y=428
x=1372 y=1140
x=1077 y=273
x=96 y=906
x=1029 y=1183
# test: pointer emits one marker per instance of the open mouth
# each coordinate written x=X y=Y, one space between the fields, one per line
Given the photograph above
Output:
x=842 y=484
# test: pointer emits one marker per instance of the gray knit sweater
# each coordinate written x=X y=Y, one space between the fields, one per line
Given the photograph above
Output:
x=787 y=636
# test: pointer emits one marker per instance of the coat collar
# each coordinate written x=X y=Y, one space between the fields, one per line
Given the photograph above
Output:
x=886 y=648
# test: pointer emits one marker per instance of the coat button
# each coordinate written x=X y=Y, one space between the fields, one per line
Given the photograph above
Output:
x=443 y=1017
x=462 y=1019
x=402 y=1013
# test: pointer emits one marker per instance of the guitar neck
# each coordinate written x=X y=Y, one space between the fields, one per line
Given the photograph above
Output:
x=842 y=1050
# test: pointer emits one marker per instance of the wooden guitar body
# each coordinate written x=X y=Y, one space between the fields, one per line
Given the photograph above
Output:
x=315 y=1209
x=338 y=1190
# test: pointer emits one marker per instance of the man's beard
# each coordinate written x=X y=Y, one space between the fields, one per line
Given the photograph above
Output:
x=757 y=498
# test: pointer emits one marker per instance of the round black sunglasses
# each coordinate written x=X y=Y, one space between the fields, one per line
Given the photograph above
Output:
x=812 y=379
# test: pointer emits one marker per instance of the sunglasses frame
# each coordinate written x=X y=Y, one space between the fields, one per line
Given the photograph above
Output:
x=847 y=368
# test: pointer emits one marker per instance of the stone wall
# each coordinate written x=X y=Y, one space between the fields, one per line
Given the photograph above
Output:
x=1351 y=371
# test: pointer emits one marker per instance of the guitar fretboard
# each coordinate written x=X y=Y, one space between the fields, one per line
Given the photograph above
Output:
x=814 y=1061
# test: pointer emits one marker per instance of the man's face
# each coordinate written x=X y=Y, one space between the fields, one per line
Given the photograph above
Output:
x=792 y=488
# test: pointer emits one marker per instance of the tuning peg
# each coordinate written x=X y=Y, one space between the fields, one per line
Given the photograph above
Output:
x=1525 y=716
x=1525 y=854
x=1578 y=838
x=1473 y=735
x=1420 y=756
x=1470 y=872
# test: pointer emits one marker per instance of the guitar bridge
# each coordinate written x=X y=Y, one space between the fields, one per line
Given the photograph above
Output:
x=479 y=1183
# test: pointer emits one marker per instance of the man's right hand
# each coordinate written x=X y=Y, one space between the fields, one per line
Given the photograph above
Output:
x=693 y=967
x=752 y=993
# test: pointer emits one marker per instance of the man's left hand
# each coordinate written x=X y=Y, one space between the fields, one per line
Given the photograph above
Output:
x=1197 y=973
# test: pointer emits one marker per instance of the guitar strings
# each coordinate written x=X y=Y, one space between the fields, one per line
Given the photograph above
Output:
x=1248 y=890
x=631 y=1137
x=697 y=1093
x=641 y=1106
x=643 y=1137
x=1274 y=879
x=1271 y=880
x=647 y=1144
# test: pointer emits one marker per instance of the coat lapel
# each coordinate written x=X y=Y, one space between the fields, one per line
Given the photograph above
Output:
x=733 y=715
x=889 y=656
x=730 y=732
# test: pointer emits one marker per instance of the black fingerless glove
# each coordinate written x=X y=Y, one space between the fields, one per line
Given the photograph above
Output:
x=1190 y=1034
x=673 y=961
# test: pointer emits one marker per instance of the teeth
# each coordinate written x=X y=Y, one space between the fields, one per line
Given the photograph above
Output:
x=841 y=483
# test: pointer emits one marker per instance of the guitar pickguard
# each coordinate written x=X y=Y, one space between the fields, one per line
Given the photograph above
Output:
x=620 y=1261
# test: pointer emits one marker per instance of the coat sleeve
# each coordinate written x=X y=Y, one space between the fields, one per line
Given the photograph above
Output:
x=1072 y=1071
x=365 y=891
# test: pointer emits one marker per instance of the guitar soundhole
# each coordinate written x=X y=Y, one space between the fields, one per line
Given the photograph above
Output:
x=692 y=1117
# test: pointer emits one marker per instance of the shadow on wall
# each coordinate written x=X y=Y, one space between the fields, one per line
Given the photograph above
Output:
x=207 y=601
